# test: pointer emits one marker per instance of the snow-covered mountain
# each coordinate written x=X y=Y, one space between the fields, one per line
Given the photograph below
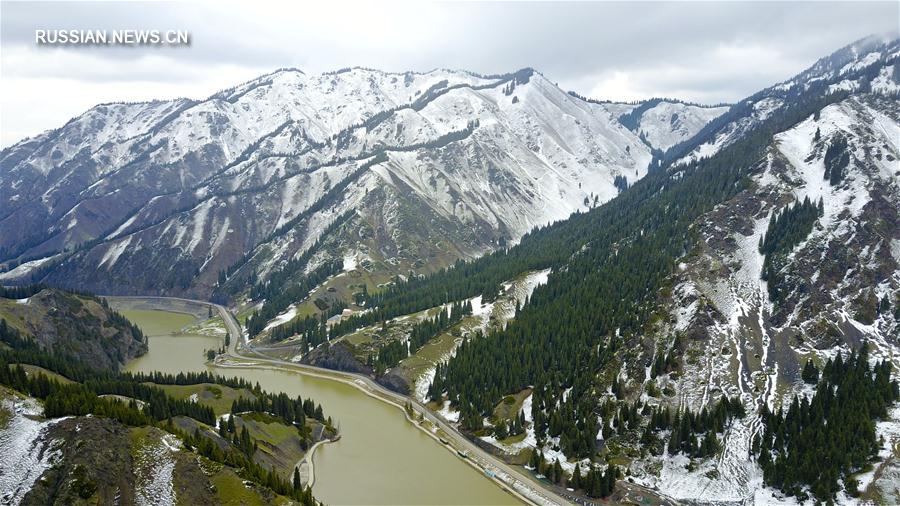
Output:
x=839 y=276
x=866 y=65
x=440 y=165
x=839 y=286
x=663 y=123
x=407 y=172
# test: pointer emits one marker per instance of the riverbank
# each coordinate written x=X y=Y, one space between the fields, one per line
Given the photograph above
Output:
x=388 y=461
x=497 y=473
x=305 y=465
x=195 y=308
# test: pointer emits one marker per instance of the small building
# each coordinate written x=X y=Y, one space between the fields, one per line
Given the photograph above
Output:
x=338 y=318
x=334 y=320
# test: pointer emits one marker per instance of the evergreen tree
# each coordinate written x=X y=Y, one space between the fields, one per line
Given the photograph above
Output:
x=575 y=481
x=297 y=483
x=785 y=231
x=816 y=442
x=810 y=372
x=837 y=158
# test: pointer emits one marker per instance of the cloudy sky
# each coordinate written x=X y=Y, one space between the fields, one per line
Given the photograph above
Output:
x=700 y=51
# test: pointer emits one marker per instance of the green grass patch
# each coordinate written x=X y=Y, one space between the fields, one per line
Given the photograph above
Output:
x=515 y=439
x=279 y=443
x=10 y=313
x=231 y=490
x=139 y=436
x=510 y=405
x=521 y=458
x=258 y=417
x=265 y=427
x=428 y=356
x=358 y=338
x=218 y=397
x=620 y=460
x=32 y=370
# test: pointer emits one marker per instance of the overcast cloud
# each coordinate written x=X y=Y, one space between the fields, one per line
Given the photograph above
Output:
x=700 y=51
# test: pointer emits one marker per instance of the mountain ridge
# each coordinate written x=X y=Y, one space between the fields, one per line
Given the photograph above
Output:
x=308 y=136
x=664 y=310
x=669 y=318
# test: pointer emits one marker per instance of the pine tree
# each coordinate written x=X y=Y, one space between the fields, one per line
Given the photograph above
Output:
x=785 y=230
x=837 y=158
x=297 y=484
x=810 y=372
x=609 y=481
x=575 y=481
x=817 y=442
x=710 y=445
x=535 y=461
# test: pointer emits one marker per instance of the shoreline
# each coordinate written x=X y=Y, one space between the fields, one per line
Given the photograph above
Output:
x=340 y=377
x=459 y=445
x=308 y=460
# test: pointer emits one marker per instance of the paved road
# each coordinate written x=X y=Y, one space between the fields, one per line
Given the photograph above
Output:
x=510 y=477
x=234 y=329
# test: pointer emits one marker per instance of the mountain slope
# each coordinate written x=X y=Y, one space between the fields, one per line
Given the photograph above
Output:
x=865 y=65
x=81 y=326
x=737 y=321
x=664 y=123
x=676 y=319
x=838 y=285
x=444 y=164
x=731 y=327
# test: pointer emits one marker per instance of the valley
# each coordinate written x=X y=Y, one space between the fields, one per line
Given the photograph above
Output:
x=393 y=441
x=444 y=287
x=378 y=444
x=139 y=448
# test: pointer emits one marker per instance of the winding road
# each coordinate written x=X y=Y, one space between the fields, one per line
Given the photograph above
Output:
x=510 y=478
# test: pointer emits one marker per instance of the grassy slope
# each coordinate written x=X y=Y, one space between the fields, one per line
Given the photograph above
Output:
x=279 y=445
x=218 y=397
x=511 y=405
x=12 y=314
x=31 y=370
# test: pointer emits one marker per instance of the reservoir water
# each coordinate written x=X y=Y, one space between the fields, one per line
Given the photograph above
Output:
x=381 y=457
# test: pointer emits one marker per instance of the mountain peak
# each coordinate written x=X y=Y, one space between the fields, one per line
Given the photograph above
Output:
x=880 y=46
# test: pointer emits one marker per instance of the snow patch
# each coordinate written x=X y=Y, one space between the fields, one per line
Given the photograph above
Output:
x=283 y=318
x=114 y=251
x=350 y=262
x=448 y=414
x=423 y=383
x=26 y=268
x=154 y=470
x=25 y=450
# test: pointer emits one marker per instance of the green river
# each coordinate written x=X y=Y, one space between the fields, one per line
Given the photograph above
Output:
x=381 y=458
